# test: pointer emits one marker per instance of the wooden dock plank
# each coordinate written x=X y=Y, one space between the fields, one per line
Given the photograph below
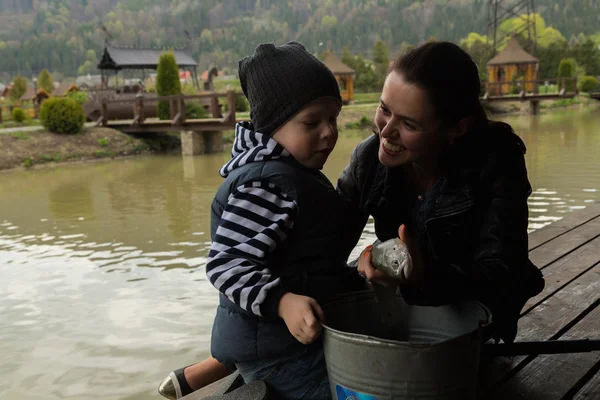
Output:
x=564 y=244
x=591 y=390
x=552 y=377
x=569 y=222
x=547 y=321
x=563 y=271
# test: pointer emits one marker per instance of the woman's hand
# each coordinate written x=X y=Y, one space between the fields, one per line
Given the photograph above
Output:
x=416 y=275
x=367 y=270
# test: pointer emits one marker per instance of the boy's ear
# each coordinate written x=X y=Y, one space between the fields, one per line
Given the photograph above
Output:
x=463 y=126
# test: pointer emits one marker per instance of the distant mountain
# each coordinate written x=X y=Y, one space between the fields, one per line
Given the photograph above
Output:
x=58 y=34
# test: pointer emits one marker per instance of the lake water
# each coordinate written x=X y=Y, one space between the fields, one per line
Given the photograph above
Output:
x=102 y=265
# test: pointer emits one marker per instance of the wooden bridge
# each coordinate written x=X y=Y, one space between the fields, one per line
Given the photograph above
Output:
x=541 y=90
x=198 y=136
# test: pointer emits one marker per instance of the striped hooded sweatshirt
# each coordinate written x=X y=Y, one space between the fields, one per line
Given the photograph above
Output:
x=257 y=218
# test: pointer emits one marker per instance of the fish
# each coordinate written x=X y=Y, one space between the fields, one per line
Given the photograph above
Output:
x=392 y=258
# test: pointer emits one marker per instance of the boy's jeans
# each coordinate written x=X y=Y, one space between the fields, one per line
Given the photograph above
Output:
x=300 y=376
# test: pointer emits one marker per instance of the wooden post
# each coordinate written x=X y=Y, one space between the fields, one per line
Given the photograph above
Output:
x=103 y=113
x=213 y=142
x=141 y=116
x=172 y=109
x=135 y=112
x=231 y=97
x=575 y=85
x=181 y=107
x=1 y=112
x=350 y=88
x=534 y=107
x=214 y=107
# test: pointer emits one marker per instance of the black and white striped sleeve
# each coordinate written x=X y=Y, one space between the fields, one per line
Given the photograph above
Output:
x=257 y=218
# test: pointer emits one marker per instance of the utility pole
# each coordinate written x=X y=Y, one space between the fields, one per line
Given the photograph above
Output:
x=500 y=10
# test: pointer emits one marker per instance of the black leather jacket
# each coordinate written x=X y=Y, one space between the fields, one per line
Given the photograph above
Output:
x=475 y=235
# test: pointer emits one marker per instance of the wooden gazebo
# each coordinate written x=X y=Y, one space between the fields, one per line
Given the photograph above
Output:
x=344 y=75
x=510 y=63
x=115 y=59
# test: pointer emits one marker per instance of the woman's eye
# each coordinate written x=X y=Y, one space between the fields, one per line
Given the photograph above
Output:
x=312 y=124
x=383 y=109
x=409 y=126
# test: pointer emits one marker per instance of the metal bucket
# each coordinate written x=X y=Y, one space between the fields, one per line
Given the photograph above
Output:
x=430 y=352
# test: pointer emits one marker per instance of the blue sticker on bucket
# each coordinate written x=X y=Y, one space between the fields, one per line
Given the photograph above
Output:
x=349 y=394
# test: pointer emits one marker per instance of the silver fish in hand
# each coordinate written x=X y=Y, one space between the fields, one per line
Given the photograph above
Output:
x=392 y=258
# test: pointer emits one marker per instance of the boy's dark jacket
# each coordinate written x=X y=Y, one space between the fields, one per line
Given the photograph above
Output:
x=310 y=261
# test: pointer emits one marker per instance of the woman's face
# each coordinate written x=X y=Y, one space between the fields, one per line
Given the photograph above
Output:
x=408 y=129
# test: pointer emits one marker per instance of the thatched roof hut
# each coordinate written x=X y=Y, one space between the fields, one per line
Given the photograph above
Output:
x=344 y=75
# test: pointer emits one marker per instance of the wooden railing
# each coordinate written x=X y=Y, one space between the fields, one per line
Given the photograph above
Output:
x=538 y=87
x=176 y=106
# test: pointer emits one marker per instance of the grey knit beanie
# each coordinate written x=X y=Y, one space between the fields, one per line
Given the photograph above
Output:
x=280 y=80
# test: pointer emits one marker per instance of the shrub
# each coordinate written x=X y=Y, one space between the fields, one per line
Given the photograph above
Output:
x=167 y=82
x=362 y=123
x=78 y=96
x=566 y=69
x=241 y=103
x=587 y=84
x=18 y=115
x=194 y=110
x=62 y=115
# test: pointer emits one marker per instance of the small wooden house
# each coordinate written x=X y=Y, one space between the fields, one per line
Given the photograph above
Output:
x=513 y=61
x=36 y=97
x=64 y=88
x=5 y=93
x=344 y=75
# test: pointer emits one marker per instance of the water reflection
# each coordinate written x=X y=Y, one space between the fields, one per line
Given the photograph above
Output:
x=102 y=265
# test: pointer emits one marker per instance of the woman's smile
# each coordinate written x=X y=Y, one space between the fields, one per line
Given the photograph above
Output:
x=391 y=148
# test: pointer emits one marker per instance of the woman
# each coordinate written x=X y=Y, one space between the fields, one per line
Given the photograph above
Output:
x=453 y=181
x=456 y=183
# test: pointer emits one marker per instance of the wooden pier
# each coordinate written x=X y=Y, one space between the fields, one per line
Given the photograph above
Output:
x=540 y=91
x=198 y=136
x=568 y=252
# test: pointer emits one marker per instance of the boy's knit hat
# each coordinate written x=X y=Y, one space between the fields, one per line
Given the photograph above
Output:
x=280 y=80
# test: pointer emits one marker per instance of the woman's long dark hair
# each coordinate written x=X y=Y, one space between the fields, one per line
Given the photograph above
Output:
x=449 y=76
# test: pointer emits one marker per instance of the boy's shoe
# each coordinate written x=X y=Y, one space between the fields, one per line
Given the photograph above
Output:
x=175 y=386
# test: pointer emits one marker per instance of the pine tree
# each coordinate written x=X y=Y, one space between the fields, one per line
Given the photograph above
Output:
x=381 y=62
x=566 y=69
x=45 y=81
x=167 y=82
x=19 y=87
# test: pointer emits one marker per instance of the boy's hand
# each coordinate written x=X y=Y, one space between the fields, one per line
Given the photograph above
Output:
x=298 y=312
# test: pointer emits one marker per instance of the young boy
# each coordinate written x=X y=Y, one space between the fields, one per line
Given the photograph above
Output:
x=276 y=225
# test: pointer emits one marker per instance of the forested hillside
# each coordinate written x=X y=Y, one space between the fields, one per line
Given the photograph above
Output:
x=59 y=34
